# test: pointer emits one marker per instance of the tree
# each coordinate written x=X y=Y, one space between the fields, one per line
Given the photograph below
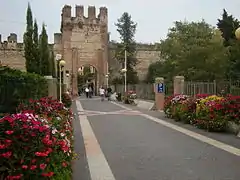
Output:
x=52 y=64
x=28 y=42
x=36 y=55
x=227 y=25
x=194 y=50
x=45 y=65
x=87 y=75
x=127 y=28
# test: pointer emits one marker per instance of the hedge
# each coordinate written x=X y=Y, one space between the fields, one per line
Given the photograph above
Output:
x=17 y=87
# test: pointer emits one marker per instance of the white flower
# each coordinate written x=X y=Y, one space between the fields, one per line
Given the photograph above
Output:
x=54 y=131
x=62 y=134
x=58 y=118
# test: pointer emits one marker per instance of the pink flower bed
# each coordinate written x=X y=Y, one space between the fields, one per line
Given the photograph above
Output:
x=37 y=142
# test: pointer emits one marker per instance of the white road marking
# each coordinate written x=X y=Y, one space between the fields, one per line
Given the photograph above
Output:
x=213 y=142
x=97 y=163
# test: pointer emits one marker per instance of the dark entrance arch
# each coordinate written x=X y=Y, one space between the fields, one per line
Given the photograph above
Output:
x=87 y=77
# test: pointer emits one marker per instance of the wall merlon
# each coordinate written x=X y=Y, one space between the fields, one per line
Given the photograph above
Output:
x=103 y=11
x=79 y=11
x=91 y=12
x=57 y=38
x=12 y=38
x=67 y=11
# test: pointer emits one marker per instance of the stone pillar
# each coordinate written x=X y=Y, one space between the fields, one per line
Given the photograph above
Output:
x=74 y=72
x=178 y=84
x=159 y=89
x=52 y=86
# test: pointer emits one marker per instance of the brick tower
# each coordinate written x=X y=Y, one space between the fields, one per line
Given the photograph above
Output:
x=83 y=41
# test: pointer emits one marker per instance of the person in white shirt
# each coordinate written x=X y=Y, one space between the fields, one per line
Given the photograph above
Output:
x=87 y=92
x=102 y=93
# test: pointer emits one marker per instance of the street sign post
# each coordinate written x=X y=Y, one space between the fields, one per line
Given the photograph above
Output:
x=160 y=88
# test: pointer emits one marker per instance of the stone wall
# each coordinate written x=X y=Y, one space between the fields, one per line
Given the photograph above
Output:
x=145 y=54
x=12 y=54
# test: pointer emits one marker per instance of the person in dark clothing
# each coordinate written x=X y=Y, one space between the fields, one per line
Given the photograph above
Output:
x=109 y=92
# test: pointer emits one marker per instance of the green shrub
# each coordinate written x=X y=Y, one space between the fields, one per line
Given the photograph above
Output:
x=17 y=86
x=66 y=100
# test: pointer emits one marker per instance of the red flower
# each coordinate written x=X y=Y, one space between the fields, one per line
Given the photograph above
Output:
x=9 y=132
x=14 y=177
x=7 y=154
x=49 y=174
x=41 y=154
x=42 y=166
x=24 y=166
x=33 y=167
x=64 y=164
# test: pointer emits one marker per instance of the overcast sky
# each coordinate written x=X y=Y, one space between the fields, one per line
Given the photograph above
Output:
x=153 y=17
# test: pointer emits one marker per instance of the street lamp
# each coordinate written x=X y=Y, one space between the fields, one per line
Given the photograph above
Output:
x=61 y=65
x=107 y=76
x=237 y=33
x=124 y=70
x=67 y=75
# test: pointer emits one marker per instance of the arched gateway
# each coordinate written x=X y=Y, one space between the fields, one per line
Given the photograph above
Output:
x=83 y=40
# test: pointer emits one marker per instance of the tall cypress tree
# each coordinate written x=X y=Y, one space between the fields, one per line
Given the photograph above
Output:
x=28 y=42
x=227 y=25
x=36 y=54
x=45 y=64
x=53 y=65
x=127 y=28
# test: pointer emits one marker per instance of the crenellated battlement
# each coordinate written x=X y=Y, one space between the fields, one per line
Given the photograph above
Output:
x=79 y=20
x=11 y=43
x=139 y=46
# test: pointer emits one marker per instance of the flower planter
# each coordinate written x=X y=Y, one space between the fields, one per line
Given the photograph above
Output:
x=234 y=128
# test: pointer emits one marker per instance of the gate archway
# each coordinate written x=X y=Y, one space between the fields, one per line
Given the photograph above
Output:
x=87 y=77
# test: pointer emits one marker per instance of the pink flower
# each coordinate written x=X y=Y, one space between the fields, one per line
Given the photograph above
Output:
x=42 y=166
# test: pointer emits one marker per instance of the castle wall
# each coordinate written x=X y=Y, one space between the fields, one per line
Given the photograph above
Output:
x=145 y=54
x=11 y=53
x=82 y=41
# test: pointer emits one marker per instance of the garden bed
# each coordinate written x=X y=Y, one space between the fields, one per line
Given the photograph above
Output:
x=37 y=142
x=212 y=113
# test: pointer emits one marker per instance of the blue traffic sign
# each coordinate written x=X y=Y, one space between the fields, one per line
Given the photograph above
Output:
x=160 y=88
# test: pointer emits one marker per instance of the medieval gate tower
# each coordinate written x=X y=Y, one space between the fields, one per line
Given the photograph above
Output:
x=83 y=41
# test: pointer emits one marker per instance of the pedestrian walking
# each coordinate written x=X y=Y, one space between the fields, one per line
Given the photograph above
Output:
x=102 y=93
x=90 y=92
x=87 y=92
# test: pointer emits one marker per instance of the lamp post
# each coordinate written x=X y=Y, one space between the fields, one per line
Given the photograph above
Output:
x=124 y=70
x=61 y=65
x=107 y=76
x=67 y=75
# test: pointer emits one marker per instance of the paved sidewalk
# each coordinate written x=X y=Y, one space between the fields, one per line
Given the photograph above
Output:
x=119 y=142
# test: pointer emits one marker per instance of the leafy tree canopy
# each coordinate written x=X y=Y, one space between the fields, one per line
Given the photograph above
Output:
x=192 y=49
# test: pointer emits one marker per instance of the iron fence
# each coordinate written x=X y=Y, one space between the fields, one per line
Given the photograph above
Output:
x=214 y=87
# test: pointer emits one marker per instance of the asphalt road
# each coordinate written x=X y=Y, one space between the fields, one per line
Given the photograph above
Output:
x=137 y=148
